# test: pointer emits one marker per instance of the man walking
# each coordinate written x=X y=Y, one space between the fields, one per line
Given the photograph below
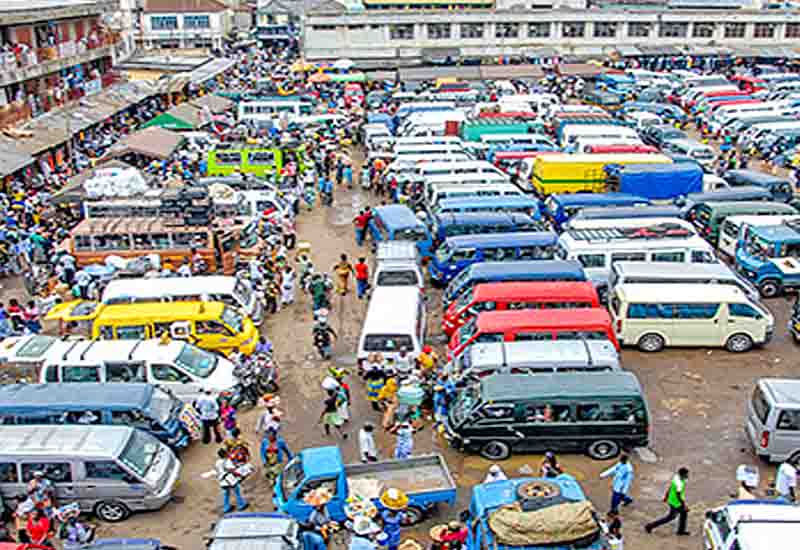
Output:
x=228 y=482
x=786 y=482
x=362 y=277
x=621 y=484
x=208 y=408
x=676 y=500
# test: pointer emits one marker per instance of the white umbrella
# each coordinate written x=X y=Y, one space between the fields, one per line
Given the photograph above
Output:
x=343 y=64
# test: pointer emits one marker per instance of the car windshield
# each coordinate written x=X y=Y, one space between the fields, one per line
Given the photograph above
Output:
x=467 y=331
x=243 y=292
x=387 y=342
x=35 y=347
x=443 y=253
x=464 y=403
x=409 y=234
x=197 y=361
x=465 y=299
x=292 y=477
x=233 y=319
x=140 y=452
x=397 y=278
x=162 y=405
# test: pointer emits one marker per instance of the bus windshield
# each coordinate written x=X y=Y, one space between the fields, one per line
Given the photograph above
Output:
x=464 y=404
x=197 y=361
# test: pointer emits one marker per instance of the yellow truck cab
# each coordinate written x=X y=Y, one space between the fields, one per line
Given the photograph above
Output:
x=213 y=326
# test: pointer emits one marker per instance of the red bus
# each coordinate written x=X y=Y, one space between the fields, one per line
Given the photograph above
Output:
x=621 y=149
x=518 y=295
x=533 y=324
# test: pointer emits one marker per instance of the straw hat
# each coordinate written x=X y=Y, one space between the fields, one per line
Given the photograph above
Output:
x=394 y=499
x=318 y=497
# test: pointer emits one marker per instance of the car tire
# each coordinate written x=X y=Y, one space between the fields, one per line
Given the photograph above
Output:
x=603 y=449
x=651 y=343
x=112 y=511
x=739 y=343
x=412 y=515
x=794 y=460
x=495 y=450
x=769 y=288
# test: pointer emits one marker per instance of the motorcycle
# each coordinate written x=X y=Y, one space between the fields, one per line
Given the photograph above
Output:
x=255 y=377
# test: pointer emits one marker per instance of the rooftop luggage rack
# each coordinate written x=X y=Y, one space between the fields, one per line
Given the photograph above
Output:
x=659 y=231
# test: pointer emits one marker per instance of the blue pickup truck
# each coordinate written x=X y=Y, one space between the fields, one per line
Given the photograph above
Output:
x=425 y=479
x=571 y=521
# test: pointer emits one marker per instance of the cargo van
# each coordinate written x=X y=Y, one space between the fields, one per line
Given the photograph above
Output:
x=670 y=273
x=653 y=316
x=733 y=227
x=210 y=325
x=141 y=406
x=482 y=360
x=597 y=413
x=515 y=296
x=532 y=324
x=110 y=471
x=773 y=420
x=396 y=318
x=708 y=217
x=183 y=369
x=232 y=291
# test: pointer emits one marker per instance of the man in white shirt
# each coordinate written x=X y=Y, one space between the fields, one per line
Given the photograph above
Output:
x=405 y=364
x=786 y=481
x=208 y=408
x=366 y=444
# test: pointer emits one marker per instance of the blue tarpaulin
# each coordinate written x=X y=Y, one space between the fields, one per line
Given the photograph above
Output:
x=657 y=181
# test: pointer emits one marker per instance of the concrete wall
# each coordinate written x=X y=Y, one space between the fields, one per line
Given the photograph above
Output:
x=220 y=25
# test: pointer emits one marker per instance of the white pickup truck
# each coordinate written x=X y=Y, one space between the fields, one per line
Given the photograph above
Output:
x=752 y=525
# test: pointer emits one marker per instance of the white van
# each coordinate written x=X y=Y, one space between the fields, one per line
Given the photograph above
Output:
x=464 y=190
x=535 y=357
x=538 y=103
x=631 y=223
x=110 y=471
x=733 y=227
x=269 y=110
x=398 y=264
x=410 y=150
x=396 y=318
x=703 y=154
x=607 y=131
x=458 y=168
x=447 y=180
x=182 y=368
x=495 y=140
x=671 y=273
x=427 y=140
x=253 y=203
x=597 y=249
x=207 y=288
x=653 y=316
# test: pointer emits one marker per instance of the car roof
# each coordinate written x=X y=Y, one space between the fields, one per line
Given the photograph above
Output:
x=64 y=440
x=516 y=387
x=19 y=396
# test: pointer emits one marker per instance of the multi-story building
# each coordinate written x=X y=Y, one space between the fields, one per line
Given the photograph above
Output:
x=53 y=51
x=185 y=24
x=277 y=21
x=402 y=32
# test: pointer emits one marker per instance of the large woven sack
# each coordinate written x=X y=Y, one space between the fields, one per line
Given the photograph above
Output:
x=558 y=524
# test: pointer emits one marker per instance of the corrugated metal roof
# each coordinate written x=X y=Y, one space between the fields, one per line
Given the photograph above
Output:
x=11 y=159
x=432 y=73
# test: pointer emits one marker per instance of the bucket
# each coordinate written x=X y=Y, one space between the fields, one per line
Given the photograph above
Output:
x=411 y=395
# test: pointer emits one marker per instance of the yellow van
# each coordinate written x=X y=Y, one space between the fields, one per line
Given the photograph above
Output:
x=210 y=325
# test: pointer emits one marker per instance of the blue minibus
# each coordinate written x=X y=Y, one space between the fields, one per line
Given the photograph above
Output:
x=397 y=222
x=458 y=253
x=560 y=207
x=477 y=223
x=498 y=272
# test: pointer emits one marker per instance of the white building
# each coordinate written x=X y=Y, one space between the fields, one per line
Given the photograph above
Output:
x=185 y=24
x=389 y=34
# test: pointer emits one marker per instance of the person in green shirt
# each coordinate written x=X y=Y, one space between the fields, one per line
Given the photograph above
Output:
x=675 y=497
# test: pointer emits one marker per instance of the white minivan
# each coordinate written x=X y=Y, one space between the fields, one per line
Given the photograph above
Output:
x=396 y=318
x=653 y=316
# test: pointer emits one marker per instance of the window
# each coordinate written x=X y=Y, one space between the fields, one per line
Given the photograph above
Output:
x=57 y=472
x=639 y=30
x=760 y=405
x=125 y=372
x=464 y=254
x=163 y=22
x=8 y=473
x=212 y=327
x=261 y=158
x=51 y=374
x=547 y=412
x=703 y=257
x=573 y=30
x=734 y=30
x=744 y=310
x=792 y=30
x=764 y=30
x=489 y=338
x=650 y=311
x=789 y=420
x=132 y=333
x=533 y=337
x=401 y=32
x=539 y=30
x=105 y=470
x=132 y=418
x=703 y=30
x=80 y=374
x=167 y=373
x=499 y=254
x=196 y=22
x=506 y=30
x=496 y=414
x=472 y=30
x=605 y=30
x=609 y=412
x=439 y=31
x=673 y=30
x=668 y=257
x=696 y=311
x=535 y=253
x=628 y=257
x=592 y=260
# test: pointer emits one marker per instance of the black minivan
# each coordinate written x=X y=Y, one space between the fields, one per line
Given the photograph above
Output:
x=597 y=413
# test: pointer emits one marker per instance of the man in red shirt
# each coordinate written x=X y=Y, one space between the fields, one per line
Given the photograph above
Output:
x=362 y=277
x=360 y=223
x=38 y=527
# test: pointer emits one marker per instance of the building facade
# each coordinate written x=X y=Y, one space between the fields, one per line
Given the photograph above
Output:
x=53 y=51
x=185 y=24
x=399 y=37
